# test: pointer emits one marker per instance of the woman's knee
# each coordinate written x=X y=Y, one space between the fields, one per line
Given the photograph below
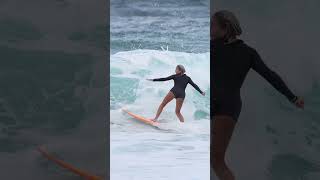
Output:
x=178 y=113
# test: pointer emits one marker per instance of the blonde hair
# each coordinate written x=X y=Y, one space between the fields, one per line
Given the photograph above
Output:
x=181 y=68
x=228 y=21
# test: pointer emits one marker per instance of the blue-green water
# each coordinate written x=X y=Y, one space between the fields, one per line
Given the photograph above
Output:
x=50 y=92
x=148 y=39
x=176 y=146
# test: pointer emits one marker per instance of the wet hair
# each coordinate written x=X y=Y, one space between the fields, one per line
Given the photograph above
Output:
x=181 y=68
x=228 y=21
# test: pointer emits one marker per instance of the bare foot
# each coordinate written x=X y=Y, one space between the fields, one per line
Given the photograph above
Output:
x=153 y=119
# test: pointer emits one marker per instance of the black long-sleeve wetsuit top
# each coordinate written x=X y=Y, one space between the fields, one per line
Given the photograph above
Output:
x=230 y=65
x=180 y=84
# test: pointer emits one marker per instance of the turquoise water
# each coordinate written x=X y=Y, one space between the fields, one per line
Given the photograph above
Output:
x=173 y=148
x=148 y=39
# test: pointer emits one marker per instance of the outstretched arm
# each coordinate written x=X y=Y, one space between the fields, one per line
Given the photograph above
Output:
x=273 y=78
x=163 y=79
x=195 y=86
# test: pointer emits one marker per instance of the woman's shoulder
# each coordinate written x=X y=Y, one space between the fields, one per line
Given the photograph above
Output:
x=186 y=76
x=248 y=47
x=181 y=76
x=173 y=76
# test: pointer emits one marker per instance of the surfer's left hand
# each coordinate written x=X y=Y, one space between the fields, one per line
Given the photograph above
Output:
x=149 y=79
x=203 y=93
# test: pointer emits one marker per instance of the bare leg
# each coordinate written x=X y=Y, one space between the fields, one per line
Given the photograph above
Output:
x=179 y=103
x=222 y=130
x=165 y=101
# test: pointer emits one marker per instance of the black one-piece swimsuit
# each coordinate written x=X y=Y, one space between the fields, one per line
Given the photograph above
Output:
x=180 y=84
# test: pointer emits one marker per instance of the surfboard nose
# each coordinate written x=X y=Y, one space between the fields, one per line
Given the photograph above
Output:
x=67 y=166
x=142 y=119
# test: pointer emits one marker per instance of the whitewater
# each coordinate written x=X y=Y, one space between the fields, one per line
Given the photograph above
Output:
x=176 y=150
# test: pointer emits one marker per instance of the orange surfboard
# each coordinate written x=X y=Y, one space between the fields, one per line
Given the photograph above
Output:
x=142 y=119
x=67 y=166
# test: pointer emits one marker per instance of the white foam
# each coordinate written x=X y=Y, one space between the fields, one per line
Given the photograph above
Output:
x=175 y=150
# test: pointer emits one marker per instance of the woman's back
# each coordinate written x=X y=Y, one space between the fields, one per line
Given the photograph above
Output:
x=231 y=63
x=181 y=81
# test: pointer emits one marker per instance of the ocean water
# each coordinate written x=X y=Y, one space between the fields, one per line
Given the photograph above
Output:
x=139 y=151
x=51 y=93
x=174 y=25
x=148 y=39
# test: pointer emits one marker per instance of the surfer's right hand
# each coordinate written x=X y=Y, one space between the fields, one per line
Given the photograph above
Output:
x=203 y=93
x=299 y=102
x=149 y=79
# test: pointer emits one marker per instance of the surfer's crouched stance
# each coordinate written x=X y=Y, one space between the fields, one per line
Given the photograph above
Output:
x=231 y=60
x=181 y=80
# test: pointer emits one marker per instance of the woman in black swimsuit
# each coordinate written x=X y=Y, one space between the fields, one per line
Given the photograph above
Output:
x=181 y=80
x=231 y=59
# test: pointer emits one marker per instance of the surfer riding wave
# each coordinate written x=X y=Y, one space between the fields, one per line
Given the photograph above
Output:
x=181 y=80
x=231 y=60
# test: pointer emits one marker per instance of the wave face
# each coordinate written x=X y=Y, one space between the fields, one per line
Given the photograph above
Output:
x=140 y=151
x=148 y=39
